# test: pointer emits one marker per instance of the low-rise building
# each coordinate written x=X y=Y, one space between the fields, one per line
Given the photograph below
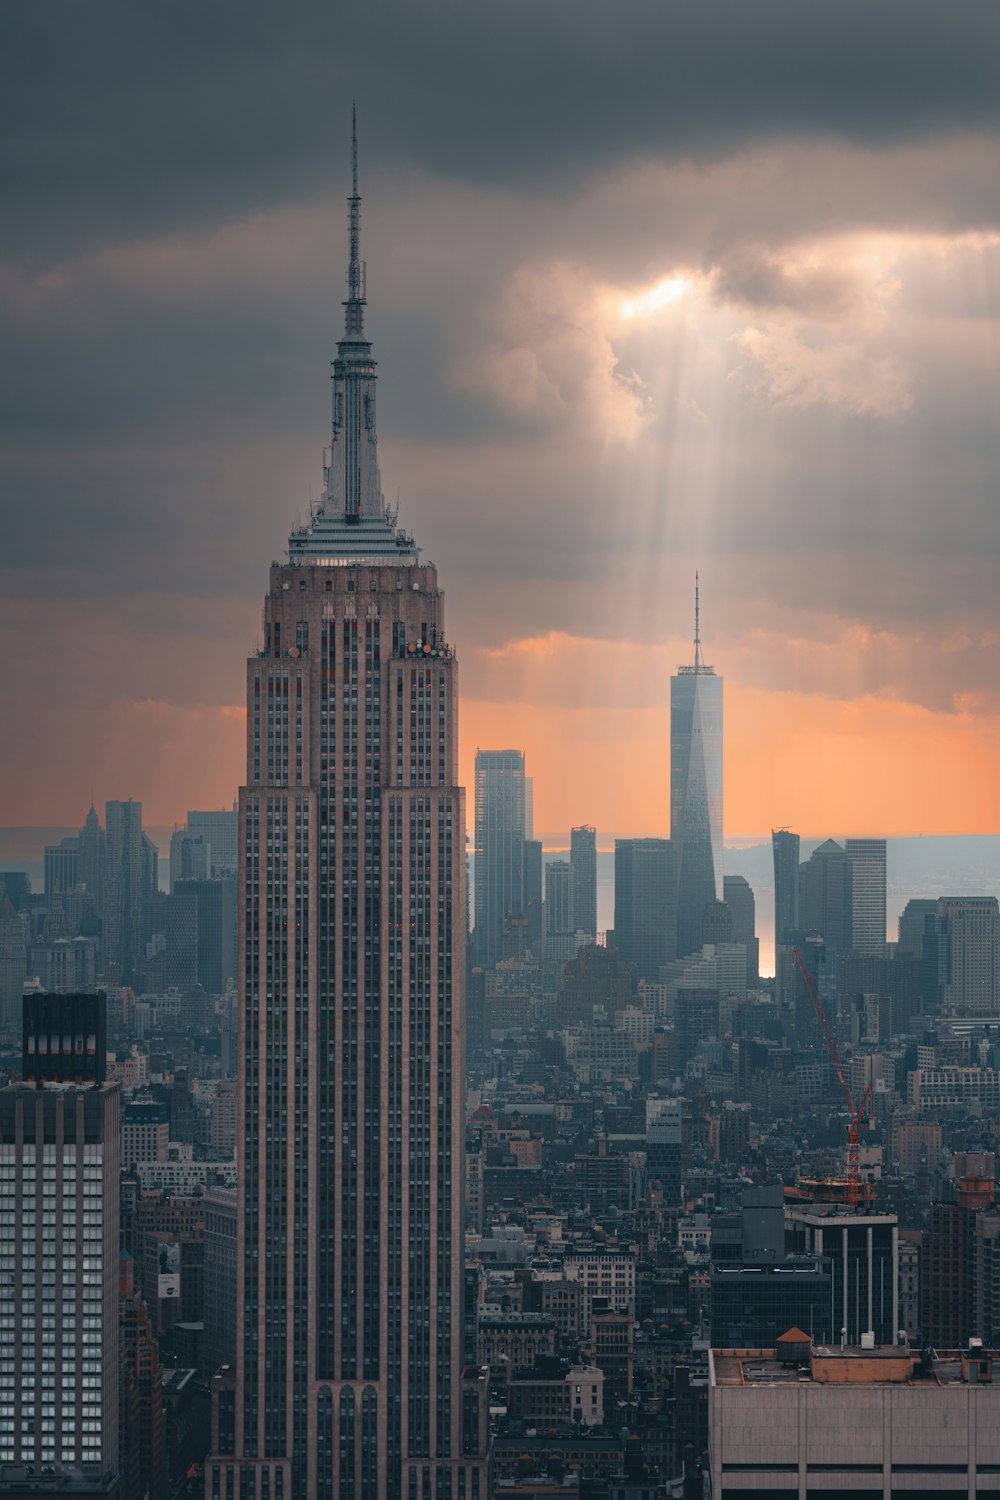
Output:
x=877 y=1423
x=515 y=1339
x=551 y=1392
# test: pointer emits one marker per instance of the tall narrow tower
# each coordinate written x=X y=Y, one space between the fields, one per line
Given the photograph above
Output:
x=696 y=789
x=500 y=833
x=349 y=1366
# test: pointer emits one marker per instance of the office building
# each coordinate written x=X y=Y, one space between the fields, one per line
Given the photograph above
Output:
x=606 y=1276
x=758 y=1291
x=896 y=982
x=912 y=921
x=583 y=858
x=753 y=1305
x=91 y=857
x=559 y=910
x=716 y=924
x=142 y=1468
x=878 y=1423
x=739 y=897
x=953 y=1274
x=59 y=1170
x=695 y=791
x=785 y=849
x=863 y=1252
x=218 y=829
x=866 y=861
x=220 y=1279
x=696 y=1019
x=596 y=981
x=63 y=1038
x=499 y=831
x=645 y=904
x=215 y=943
x=190 y=857
x=145 y=1131
x=349 y=1372
x=13 y=963
x=533 y=895
x=664 y=1139
x=552 y=1392
x=180 y=931
x=61 y=867
x=64 y=963
x=825 y=896
x=17 y=886
x=970 y=926
x=130 y=879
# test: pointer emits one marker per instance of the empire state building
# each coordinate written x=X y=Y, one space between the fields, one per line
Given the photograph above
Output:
x=354 y=1375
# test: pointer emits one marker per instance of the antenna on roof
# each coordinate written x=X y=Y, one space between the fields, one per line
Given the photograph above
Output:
x=697 y=635
x=354 y=319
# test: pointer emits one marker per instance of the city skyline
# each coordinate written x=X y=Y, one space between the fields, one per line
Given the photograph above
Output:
x=540 y=371
x=418 y=1080
x=350 y=1364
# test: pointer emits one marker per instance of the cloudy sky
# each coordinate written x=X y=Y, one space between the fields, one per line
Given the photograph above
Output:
x=652 y=286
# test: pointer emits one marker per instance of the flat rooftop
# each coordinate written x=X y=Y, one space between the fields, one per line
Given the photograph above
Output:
x=832 y=1365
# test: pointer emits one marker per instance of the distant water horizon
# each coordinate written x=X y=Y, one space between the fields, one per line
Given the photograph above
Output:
x=961 y=864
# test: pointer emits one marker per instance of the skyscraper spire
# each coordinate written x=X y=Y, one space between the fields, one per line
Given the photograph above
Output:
x=696 y=789
x=697 y=641
x=354 y=318
x=352 y=520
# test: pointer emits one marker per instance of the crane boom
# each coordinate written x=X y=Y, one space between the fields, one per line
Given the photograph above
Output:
x=856 y=1112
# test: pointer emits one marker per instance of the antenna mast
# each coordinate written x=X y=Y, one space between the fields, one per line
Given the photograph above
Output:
x=354 y=320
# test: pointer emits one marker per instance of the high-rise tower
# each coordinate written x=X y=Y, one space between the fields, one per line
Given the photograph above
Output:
x=129 y=882
x=349 y=1366
x=866 y=862
x=501 y=787
x=696 y=790
x=583 y=858
x=785 y=849
x=60 y=1160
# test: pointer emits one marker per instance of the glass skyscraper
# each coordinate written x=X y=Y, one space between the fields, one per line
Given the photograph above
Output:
x=696 y=792
x=349 y=1378
x=583 y=857
x=785 y=849
x=867 y=863
x=500 y=835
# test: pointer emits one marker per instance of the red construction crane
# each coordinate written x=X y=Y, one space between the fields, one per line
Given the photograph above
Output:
x=857 y=1113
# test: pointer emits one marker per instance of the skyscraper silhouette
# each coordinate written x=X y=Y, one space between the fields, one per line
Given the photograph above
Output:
x=500 y=834
x=348 y=1378
x=785 y=848
x=583 y=857
x=696 y=790
x=645 y=913
x=867 y=863
x=129 y=881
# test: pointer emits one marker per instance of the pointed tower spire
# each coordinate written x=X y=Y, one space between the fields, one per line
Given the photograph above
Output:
x=699 y=667
x=352 y=520
x=697 y=636
x=354 y=317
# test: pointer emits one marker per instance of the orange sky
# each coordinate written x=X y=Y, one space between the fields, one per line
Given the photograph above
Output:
x=869 y=766
x=805 y=413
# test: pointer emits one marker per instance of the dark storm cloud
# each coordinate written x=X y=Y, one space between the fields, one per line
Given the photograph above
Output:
x=815 y=425
x=119 y=117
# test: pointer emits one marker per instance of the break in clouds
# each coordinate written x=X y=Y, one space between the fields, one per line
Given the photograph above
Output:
x=644 y=296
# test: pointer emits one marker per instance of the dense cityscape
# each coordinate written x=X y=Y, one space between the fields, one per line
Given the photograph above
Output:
x=517 y=1016
x=329 y=1172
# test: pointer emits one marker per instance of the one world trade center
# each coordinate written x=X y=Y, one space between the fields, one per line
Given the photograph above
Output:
x=695 y=791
